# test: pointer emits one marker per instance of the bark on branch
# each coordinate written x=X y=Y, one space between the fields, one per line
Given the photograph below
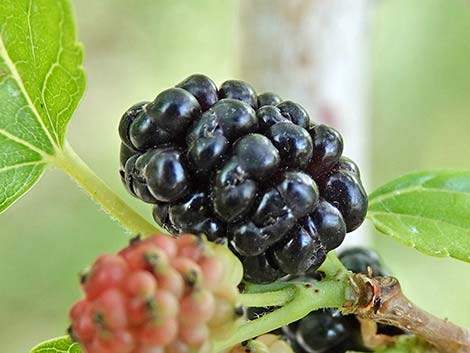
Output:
x=381 y=299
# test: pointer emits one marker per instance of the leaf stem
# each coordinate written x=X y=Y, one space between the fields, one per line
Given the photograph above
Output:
x=111 y=203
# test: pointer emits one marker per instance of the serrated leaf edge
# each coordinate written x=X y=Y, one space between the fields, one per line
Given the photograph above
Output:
x=383 y=228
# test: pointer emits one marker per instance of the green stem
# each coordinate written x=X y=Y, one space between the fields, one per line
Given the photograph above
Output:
x=274 y=298
x=306 y=298
x=333 y=267
x=112 y=204
x=251 y=288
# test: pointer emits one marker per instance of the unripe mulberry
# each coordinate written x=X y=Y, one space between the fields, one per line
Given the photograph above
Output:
x=160 y=294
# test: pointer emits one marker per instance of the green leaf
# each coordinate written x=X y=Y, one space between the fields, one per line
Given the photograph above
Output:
x=57 y=345
x=41 y=84
x=427 y=210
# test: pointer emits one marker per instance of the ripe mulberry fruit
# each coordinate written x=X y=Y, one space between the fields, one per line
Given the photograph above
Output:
x=325 y=330
x=229 y=163
x=160 y=294
x=362 y=260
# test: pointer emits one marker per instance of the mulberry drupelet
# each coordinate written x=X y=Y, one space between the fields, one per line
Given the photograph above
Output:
x=254 y=169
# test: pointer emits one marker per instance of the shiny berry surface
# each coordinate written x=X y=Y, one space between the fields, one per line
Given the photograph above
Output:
x=134 y=180
x=190 y=212
x=268 y=98
x=239 y=90
x=268 y=116
x=295 y=113
x=327 y=149
x=125 y=153
x=328 y=223
x=360 y=260
x=299 y=252
x=299 y=192
x=347 y=164
x=249 y=169
x=248 y=239
x=126 y=120
x=259 y=269
x=257 y=156
x=174 y=110
x=235 y=118
x=346 y=193
x=233 y=193
x=166 y=175
x=202 y=88
x=294 y=144
x=144 y=133
x=206 y=153
x=322 y=329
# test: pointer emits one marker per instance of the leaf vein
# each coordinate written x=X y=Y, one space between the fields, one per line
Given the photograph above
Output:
x=24 y=143
x=443 y=250
x=16 y=76
x=19 y=165
x=20 y=190
x=420 y=217
x=390 y=195
x=51 y=69
x=31 y=41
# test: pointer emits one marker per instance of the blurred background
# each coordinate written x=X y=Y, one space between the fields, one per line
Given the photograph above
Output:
x=417 y=115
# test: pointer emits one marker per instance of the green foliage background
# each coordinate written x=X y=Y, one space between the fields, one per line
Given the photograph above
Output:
x=420 y=119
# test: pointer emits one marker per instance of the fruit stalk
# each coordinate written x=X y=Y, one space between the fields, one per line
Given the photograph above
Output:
x=308 y=297
x=270 y=298
x=110 y=202
x=381 y=299
x=294 y=299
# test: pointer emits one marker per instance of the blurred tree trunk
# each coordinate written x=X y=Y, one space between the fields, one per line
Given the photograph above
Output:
x=314 y=52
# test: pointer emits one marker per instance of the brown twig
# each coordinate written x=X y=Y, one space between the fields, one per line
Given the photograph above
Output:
x=371 y=338
x=382 y=300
